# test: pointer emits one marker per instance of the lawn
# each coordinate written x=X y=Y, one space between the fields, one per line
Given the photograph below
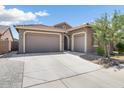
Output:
x=120 y=58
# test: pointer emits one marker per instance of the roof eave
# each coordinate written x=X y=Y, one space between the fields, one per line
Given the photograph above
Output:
x=22 y=28
x=79 y=27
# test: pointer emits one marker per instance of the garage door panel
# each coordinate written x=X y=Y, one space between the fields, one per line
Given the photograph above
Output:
x=79 y=43
x=36 y=42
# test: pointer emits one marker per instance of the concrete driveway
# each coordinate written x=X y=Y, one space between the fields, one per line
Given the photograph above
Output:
x=57 y=70
x=48 y=67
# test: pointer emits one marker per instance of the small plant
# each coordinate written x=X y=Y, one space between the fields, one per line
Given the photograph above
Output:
x=100 y=51
x=120 y=47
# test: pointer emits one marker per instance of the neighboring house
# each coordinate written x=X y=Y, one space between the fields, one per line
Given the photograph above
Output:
x=6 y=39
x=60 y=37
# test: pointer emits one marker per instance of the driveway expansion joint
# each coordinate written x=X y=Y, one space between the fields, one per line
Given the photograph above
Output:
x=22 y=75
x=34 y=78
x=64 y=84
x=63 y=78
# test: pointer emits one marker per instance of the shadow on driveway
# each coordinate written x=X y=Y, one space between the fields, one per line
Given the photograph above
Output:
x=89 y=57
x=15 y=54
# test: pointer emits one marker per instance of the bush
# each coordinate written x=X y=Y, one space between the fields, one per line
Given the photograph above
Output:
x=120 y=47
x=100 y=51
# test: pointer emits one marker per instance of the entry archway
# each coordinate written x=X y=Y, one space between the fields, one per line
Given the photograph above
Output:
x=66 y=42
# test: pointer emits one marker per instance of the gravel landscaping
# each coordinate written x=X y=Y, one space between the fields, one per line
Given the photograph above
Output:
x=117 y=60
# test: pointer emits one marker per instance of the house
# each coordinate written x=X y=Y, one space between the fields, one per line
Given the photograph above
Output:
x=60 y=37
x=6 y=39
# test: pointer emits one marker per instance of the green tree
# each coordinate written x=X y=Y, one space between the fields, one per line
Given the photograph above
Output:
x=117 y=23
x=109 y=31
x=102 y=33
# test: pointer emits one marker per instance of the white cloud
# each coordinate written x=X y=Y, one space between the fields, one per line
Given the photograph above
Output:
x=42 y=13
x=2 y=7
x=7 y=22
x=14 y=15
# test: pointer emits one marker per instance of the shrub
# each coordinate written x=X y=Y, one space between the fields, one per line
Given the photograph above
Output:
x=100 y=51
x=120 y=47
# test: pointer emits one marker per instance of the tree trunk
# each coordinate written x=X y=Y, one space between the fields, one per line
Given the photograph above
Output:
x=105 y=50
x=111 y=47
x=108 y=50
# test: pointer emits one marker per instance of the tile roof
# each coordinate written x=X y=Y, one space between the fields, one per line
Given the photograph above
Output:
x=3 y=29
x=78 y=27
x=42 y=27
x=62 y=24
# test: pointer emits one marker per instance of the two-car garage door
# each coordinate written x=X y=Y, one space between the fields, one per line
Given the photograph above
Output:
x=41 y=42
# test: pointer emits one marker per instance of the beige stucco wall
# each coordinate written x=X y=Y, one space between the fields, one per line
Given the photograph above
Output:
x=89 y=40
x=20 y=41
x=7 y=38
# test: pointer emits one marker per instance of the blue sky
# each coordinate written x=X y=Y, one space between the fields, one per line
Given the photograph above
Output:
x=74 y=15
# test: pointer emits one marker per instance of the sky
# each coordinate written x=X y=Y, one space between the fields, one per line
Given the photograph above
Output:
x=51 y=15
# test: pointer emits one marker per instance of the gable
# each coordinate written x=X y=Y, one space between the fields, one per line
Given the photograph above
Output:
x=7 y=35
x=63 y=25
x=3 y=29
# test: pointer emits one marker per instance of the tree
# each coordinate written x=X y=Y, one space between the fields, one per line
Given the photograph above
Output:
x=109 y=31
x=117 y=25
x=102 y=33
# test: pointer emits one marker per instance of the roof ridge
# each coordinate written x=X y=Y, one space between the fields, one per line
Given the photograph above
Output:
x=31 y=25
x=80 y=26
x=62 y=23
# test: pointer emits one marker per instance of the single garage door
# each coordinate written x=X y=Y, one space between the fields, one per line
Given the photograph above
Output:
x=79 y=42
x=37 y=42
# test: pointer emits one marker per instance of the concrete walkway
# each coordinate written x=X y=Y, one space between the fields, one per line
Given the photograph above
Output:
x=57 y=70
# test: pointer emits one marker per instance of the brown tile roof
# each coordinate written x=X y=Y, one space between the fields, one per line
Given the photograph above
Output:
x=39 y=27
x=78 y=27
x=62 y=24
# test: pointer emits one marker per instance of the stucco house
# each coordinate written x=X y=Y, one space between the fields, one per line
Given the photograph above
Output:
x=6 y=39
x=60 y=37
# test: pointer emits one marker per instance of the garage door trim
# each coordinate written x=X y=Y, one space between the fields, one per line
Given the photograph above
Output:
x=85 y=36
x=60 y=36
